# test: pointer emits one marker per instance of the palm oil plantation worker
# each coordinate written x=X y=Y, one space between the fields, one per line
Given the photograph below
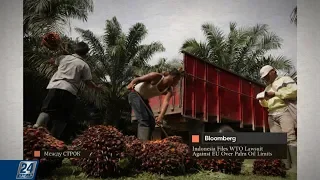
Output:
x=63 y=88
x=146 y=87
x=280 y=99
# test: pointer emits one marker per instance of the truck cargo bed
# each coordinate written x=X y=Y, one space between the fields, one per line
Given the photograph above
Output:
x=211 y=94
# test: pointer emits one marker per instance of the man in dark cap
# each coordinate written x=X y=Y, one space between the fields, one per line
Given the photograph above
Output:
x=63 y=88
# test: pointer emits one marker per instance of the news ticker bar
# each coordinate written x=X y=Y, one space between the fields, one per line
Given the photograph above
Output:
x=62 y=154
x=245 y=151
x=239 y=138
x=213 y=151
x=239 y=145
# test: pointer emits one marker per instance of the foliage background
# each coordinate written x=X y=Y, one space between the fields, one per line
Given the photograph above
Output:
x=119 y=55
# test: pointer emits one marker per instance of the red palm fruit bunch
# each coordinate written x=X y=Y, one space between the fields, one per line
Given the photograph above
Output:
x=51 y=40
x=208 y=164
x=174 y=139
x=269 y=167
x=133 y=145
x=179 y=161
x=76 y=145
x=184 y=150
x=108 y=157
x=161 y=158
x=165 y=157
x=230 y=166
x=134 y=151
x=40 y=140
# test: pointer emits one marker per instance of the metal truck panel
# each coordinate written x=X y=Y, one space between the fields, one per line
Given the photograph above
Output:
x=212 y=94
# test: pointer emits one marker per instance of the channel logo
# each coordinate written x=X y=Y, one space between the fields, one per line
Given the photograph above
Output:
x=27 y=170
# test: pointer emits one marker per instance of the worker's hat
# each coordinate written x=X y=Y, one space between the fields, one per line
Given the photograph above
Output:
x=265 y=70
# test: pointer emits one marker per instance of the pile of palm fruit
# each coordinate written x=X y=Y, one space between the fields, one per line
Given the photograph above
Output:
x=269 y=167
x=39 y=139
x=113 y=154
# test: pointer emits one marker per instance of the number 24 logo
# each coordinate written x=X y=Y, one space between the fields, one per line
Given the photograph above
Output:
x=25 y=168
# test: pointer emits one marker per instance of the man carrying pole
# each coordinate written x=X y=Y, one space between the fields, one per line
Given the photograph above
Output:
x=280 y=97
x=63 y=88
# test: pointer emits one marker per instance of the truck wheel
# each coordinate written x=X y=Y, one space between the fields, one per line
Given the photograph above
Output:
x=224 y=128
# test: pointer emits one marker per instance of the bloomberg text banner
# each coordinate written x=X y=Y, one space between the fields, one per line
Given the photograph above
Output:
x=239 y=145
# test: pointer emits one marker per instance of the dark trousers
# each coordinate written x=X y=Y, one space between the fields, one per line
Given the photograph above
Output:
x=145 y=118
x=59 y=105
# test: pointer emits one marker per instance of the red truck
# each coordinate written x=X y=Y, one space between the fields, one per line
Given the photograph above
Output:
x=211 y=99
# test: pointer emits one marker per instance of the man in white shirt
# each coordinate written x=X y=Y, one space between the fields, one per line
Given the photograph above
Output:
x=280 y=99
x=63 y=88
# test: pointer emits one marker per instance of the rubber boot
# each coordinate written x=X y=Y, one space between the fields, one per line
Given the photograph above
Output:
x=293 y=156
x=287 y=161
x=42 y=120
x=58 y=128
x=144 y=133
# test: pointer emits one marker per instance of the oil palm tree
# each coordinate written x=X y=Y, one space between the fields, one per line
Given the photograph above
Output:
x=45 y=15
x=114 y=58
x=241 y=51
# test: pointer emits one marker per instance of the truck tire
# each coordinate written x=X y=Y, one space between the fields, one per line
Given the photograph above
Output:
x=224 y=128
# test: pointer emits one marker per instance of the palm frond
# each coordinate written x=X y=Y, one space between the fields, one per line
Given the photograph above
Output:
x=294 y=76
x=41 y=16
x=294 y=16
x=232 y=26
x=136 y=34
x=233 y=43
x=270 y=41
x=98 y=60
x=252 y=47
x=146 y=52
x=93 y=41
x=199 y=49
x=112 y=31
x=216 y=42
x=214 y=35
x=242 y=50
x=281 y=63
x=259 y=29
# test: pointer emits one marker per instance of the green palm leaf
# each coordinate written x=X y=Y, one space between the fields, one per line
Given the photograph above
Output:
x=112 y=31
x=41 y=16
x=146 y=52
x=136 y=34
x=199 y=49
x=115 y=60
x=293 y=16
x=242 y=51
